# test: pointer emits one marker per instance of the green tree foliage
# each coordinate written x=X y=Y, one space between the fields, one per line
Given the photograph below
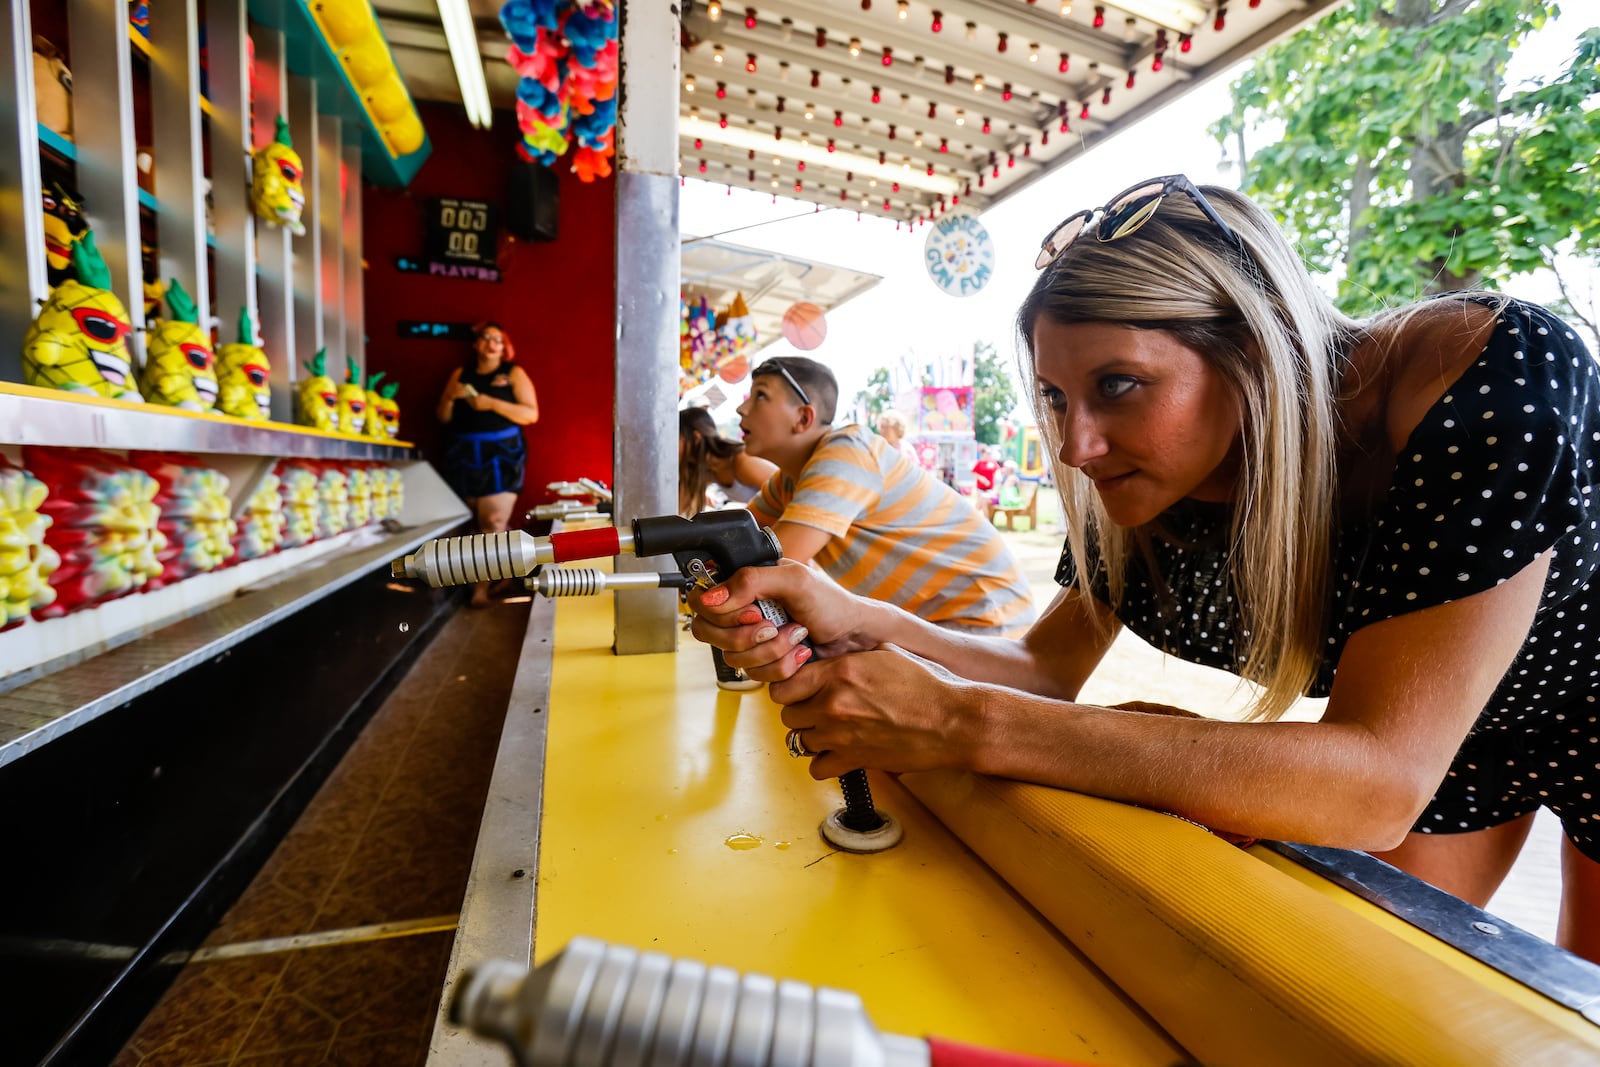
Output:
x=1406 y=163
x=993 y=395
x=876 y=396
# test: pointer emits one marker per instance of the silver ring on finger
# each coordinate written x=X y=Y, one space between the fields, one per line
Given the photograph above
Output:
x=796 y=743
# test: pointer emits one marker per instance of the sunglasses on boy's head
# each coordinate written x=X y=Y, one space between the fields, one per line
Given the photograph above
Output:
x=1125 y=213
x=772 y=366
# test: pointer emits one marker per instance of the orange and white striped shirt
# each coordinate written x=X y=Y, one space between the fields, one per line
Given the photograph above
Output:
x=901 y=535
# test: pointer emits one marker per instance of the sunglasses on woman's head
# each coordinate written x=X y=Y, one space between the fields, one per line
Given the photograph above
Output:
x=1125 y=213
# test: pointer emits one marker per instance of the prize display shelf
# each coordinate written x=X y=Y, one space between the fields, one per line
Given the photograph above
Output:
x=40 y=711
x=33 y=416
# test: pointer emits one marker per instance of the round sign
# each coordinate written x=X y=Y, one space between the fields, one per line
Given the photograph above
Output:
x=804 y=326
x=959 y=253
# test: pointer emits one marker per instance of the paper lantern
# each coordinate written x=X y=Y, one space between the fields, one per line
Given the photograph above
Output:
x=735 y=369
x=804 y=326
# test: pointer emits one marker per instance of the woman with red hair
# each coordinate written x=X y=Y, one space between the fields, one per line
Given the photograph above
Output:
x=485 y=404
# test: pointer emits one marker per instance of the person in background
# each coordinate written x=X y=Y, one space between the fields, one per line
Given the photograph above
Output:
x=870 y=517
x=484 y=406
x=1401 y=514
x=891 y=427
x=710 y=466
x=984 y=471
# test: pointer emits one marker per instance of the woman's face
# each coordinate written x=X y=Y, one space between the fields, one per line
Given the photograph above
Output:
x=1142 y=414
x=491 y=344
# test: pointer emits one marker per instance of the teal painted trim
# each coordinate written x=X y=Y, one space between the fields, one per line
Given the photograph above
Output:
x=311 y=55
x=147 y=200
x=57 y=143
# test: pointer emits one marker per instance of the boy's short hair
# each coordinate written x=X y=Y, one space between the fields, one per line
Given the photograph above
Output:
x=821 y=388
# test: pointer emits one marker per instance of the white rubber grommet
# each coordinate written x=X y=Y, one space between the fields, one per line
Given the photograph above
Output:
x=840 y=836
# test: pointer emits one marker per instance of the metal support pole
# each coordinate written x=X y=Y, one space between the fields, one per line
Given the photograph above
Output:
x=307 y=260
x=102 y=117
x=355 y=339
x=178 y=153
x=275 y=253
x=647 y=306
x=329 y=221
x=22 y=262
x=235 y=256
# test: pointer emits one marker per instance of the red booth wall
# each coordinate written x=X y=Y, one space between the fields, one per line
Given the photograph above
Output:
x=556 y=300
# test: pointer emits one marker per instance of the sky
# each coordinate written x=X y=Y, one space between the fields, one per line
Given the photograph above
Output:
x=905 y=315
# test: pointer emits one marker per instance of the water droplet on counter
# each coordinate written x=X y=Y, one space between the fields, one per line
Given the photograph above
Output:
x=661 y=818
x=781 y=846
x=672 y=852
x=405 y=627
x=742 y=841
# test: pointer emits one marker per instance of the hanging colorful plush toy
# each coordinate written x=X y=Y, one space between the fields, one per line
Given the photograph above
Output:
x=243 y=372
x=79 y=341
x=179 y=367
x=566 y=54
x=318 y=397
x=275 y=190
x=352 y=400
x=26 y=561
x=383 y=413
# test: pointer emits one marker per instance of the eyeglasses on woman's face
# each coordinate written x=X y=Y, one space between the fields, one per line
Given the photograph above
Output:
x=1125 y=213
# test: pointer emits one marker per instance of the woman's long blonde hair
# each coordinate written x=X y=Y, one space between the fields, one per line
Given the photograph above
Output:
x=1280 y=344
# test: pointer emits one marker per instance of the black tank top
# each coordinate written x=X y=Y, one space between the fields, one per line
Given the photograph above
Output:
x=497 y=383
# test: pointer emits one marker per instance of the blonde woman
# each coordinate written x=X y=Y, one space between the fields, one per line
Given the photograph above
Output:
x=891 y=427
x=1257 y=482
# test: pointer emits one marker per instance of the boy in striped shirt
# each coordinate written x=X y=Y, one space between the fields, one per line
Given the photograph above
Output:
x=877 y=523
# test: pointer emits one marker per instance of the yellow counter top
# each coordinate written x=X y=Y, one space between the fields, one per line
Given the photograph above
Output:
x=650 y=770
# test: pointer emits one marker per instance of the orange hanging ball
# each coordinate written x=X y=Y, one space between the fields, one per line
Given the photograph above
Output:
x=735 y=370
x=804 y=326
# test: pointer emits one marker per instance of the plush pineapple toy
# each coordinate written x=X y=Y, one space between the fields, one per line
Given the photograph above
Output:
x=275 y=189
x=383 y=414
x=242 y=375
x=179 y=366
x=79 y=341
x=318 y=397
x=352 y=400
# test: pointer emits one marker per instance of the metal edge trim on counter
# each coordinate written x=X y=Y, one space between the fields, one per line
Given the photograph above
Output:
x=497 y=909
x=125 y=672
x=1564 y=978
x=30 y=416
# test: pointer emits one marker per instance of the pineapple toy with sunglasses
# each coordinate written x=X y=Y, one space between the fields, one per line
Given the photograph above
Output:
x=179 y=367
x=79 y=341
x=318 y=397
x=383 y=412
x=275 y=189
x=243 y=371
x=352 y=400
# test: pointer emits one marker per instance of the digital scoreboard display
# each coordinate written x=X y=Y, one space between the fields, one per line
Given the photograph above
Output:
x=462 y=231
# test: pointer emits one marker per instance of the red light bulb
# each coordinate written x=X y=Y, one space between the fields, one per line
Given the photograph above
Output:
x=1001 y=44
x=822 y=37
x=876 y=95
x=1221 y=21
x=1005 y=91
x=1099 y=17
x=1105 y=96
x=749 y=18
x=1155 y=63
x=838 y=118
x=944 y=146
x=816 y=79
x=722 y=91
x=888 y=56
x=1065 y=64
x=986 y=124
x=1185 y=41
x=1083 y=112
x=722 y=120
x=750 y=63
x=938 y=21
x=1129 y=82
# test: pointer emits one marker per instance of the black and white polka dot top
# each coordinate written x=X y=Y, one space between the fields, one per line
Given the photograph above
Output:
x=1500 y=469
